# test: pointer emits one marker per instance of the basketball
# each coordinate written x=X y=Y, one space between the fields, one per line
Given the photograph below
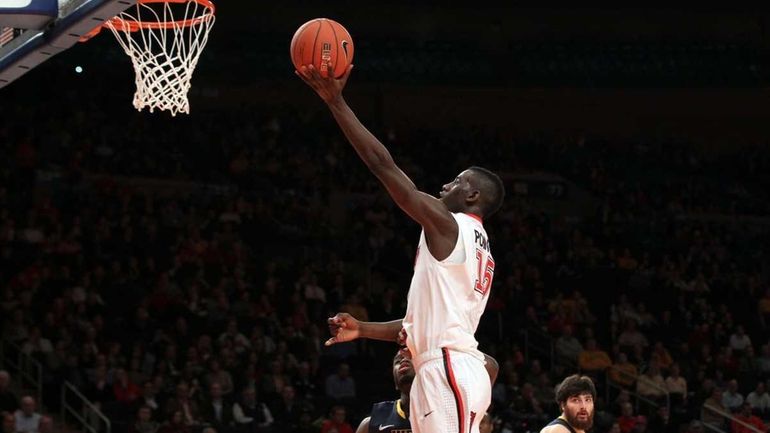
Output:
x=320 y=41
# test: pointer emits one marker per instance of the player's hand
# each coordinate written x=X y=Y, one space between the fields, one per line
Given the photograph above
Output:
x=343 y=327
x=401 y=340
x=328 y=88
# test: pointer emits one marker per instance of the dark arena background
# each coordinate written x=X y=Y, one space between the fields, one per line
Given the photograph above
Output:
x=147 y=259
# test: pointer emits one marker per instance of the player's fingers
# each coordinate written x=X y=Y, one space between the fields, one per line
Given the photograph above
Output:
x=330 y=341
x=303 y=78
x=346 y=75
x=304 y=72
x=313 y=72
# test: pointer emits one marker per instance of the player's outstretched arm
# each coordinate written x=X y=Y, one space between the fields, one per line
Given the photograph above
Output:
x=344 y=327
x=364 y=426
x=431 y=213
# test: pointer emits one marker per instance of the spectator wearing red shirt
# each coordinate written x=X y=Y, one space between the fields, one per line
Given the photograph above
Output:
x=747 y=418
x=125 y=391
x=337 y=422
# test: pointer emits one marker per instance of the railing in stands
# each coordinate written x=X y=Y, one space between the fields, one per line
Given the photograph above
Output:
x=726 y=416
x=23 y=366
x=75 y=405
x=638 y=398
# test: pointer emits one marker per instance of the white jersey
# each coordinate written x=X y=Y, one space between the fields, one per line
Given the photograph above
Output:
x=447 y=298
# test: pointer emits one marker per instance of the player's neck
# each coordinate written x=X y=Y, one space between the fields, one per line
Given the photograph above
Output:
x=405 y=403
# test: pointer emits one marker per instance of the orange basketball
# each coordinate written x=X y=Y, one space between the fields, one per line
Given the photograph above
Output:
x=320 y=41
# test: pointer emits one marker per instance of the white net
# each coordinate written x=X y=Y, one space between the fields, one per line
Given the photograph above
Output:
x=164 y=39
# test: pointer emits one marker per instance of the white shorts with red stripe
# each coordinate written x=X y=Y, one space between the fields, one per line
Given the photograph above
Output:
x=450 y=393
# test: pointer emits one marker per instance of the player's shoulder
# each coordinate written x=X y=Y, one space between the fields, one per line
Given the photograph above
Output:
x=364 y=426
x=387 y=404
x=555 y=428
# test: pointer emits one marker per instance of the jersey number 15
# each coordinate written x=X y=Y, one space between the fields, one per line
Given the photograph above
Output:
x=485 y=273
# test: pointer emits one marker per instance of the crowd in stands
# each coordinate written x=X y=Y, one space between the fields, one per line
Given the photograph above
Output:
x=181 y=278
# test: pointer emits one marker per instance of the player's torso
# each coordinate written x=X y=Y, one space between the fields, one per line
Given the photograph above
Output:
x=386 y=419
x=447 y=298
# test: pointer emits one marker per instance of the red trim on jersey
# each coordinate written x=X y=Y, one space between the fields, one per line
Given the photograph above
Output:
x=450 y=376
x=474 y=216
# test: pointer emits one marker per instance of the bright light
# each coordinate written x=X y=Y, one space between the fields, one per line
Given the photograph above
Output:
x=78 y=69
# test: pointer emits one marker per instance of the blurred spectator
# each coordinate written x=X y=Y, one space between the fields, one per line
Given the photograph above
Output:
x=627 y=420
x=149 y=399
x=713 y=409
x=336 y=421
x=341 y=385
x=661 y=421
x=354 y=307
x=631 y=337
x=650 y=384
x=251 y=413
x=661 y=356
x=46 y=425
x=175 y=424
x=27 y=419
x=216 y=374
x=592 y=359
x=695 y=426
x=9 y=402
x=739 y=341
x=759 y=399
x=287 y=410
x=9 y=422
x=99 y=389
x=623 y=372
x=304 y=382
x=732 y=399
x=36 y=344
x=144 y=422
x=676 y=385
x=234 y=337
x=182 y=404
x=568 y=347
x=744 y=417
x=124 y=390
x=275 y=382
x=216 y=410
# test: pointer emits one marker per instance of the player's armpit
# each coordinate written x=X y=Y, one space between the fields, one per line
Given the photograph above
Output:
x=364 y=426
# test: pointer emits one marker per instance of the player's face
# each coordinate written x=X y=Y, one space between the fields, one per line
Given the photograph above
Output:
x=579 y=411
x=403 y=371
x=453 y=194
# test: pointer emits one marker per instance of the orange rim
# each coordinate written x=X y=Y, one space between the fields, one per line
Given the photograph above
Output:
x=132 y=26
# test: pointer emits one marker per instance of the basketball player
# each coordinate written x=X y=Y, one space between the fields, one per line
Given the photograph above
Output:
x=452 y=275
x=575 y=397
x=393 y=416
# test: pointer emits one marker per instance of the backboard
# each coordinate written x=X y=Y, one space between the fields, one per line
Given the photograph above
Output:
x=32 y=31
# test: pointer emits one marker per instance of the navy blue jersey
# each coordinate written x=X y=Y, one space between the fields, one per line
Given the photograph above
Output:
x=562 y=422
x=387 y=418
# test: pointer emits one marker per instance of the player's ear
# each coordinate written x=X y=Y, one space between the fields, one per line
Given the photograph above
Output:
x=473 y=196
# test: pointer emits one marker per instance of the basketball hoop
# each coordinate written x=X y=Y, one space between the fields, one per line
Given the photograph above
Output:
x=164 y=39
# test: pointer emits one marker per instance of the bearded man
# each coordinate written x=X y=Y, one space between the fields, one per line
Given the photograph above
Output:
x=575 y=397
